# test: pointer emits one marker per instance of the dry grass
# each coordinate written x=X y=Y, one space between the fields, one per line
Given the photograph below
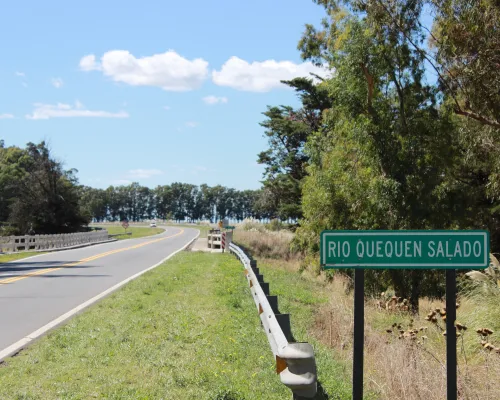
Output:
x=396 y=368
x=267 y=244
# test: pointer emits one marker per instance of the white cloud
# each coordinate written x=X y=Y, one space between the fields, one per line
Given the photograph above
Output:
x=6 y=116
x=214 y=100
x=168 y=70
x=60 y=110
x=20 y=73
x=191 y=124
x=261 y=76
x=166 y=108
x=143 y=173
x=88 y=63
x=57 y=82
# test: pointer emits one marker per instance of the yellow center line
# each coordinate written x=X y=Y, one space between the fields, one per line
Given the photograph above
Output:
x=92 y=258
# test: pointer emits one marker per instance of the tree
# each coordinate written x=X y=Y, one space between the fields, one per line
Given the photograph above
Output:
x=389 y=157
x=43 y=198
x=288 y=130
x=94 y=203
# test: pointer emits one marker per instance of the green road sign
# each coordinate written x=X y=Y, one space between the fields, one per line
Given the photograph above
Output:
x=405 y=249
x=230 y=227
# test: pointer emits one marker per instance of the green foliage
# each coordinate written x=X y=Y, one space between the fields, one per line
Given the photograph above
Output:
x=285 y=160
x=36 y=194
x=174 y=333
x=178 y=201
x=393 y=151
x=466 y=47
x=275 y=225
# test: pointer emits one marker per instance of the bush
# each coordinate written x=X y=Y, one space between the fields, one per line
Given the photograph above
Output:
x=275 y=225
x=250 y=224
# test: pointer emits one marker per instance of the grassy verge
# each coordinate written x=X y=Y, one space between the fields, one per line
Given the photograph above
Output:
x=396 y=365
x=302 y=298
x=4 y=258
x=186 y=330
x=137 y=232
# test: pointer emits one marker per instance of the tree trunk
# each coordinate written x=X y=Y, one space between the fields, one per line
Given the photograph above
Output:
x=416 y=278
x=397 y=278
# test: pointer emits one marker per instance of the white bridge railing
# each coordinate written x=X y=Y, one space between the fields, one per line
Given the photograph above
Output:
x=12 y=244
x=295 y=362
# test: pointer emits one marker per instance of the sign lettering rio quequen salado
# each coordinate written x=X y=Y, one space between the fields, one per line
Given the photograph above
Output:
x=405 y=249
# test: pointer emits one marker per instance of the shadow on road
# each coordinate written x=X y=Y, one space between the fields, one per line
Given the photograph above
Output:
x=34 y=265
x=51 y=276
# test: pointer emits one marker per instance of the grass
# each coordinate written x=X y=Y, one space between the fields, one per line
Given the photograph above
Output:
x=185 y=330
x=322 y=314
x=301 y=298
x=137 y=232
x=268 y=244
x=4 y=258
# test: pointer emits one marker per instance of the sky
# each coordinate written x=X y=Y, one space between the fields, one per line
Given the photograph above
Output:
x=153 y=92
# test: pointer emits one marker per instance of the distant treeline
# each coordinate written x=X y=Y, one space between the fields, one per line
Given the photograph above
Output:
x=37 y=195
x=178 y=201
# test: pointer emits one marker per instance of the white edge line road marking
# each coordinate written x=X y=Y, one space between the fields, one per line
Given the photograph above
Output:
x=63 y=249
x=19 y=345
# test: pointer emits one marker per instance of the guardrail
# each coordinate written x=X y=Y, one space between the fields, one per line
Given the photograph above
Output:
x=295 y=362
x=48 y=242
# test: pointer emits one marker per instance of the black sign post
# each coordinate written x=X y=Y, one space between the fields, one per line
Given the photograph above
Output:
x=451 y=335
x=359 y=334
x=448 y=250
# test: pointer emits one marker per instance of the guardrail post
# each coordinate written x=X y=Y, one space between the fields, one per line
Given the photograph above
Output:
x=265 y=288
x=284 y=323
x=273 y=302
x=295 y=362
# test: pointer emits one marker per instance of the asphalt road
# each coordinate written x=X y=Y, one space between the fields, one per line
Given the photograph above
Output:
x=36 y=291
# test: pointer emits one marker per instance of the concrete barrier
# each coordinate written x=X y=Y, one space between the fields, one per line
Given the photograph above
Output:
x=13 y=244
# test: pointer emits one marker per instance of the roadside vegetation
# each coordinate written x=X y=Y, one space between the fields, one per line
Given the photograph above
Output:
x=399 y=363
x=186 y=330
x=136 y=231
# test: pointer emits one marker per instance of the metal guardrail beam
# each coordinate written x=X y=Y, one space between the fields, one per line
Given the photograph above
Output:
x=295 y=362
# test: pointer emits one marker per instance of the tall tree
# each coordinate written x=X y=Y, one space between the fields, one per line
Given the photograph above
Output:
x=44 y=197
x=389 y=156
x=285 y=160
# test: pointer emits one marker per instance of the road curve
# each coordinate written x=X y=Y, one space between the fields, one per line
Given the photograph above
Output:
x=38 y=290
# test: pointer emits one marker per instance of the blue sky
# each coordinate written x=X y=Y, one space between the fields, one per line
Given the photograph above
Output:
x=126 y=90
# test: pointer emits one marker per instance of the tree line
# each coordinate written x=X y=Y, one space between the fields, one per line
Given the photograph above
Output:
x=37 y=195
x=378 y=144
x=178 y=201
